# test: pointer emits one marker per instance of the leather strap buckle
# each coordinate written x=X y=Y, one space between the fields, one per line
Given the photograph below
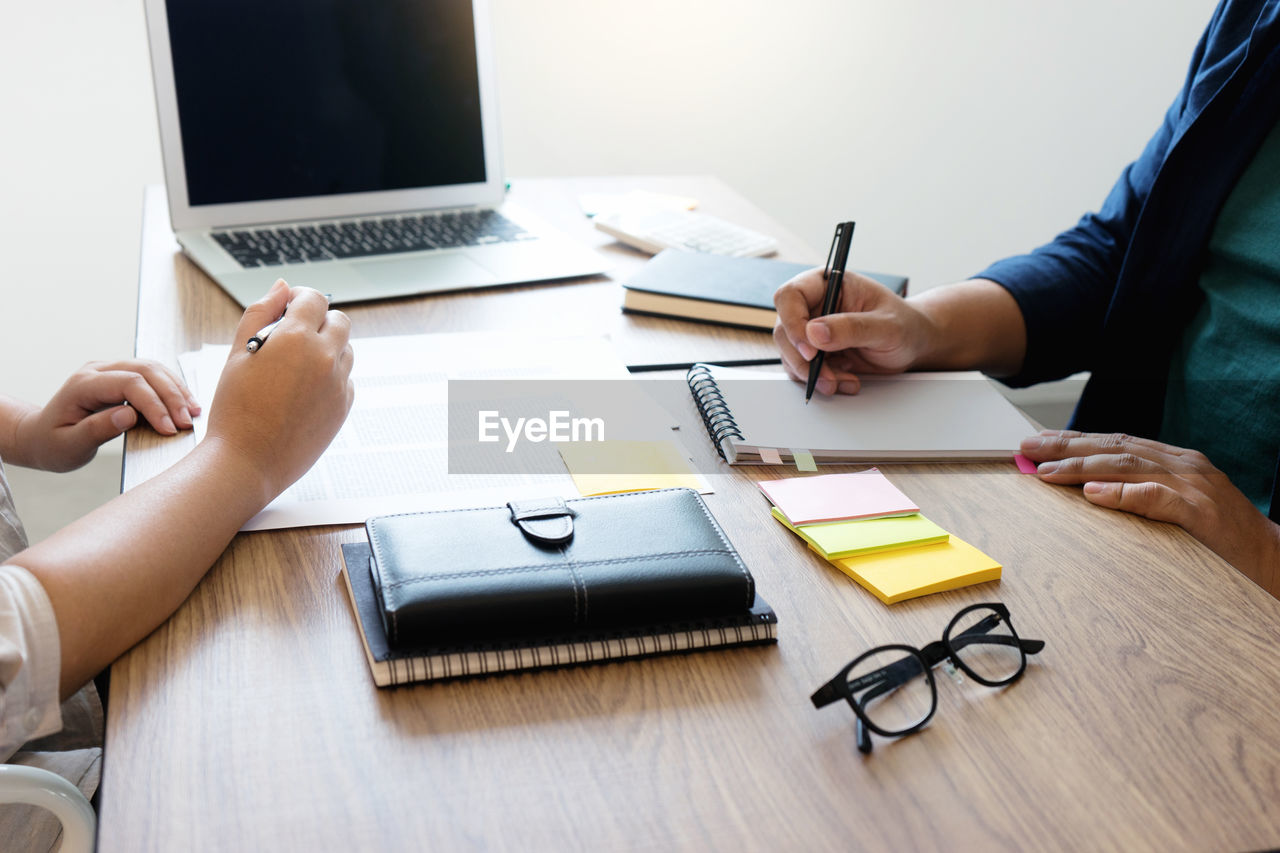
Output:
x=544 y=521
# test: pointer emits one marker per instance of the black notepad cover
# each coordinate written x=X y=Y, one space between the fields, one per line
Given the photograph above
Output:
x=453 y=660
x=634 y=559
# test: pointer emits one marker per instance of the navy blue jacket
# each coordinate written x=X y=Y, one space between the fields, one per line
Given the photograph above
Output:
x=1114 y=294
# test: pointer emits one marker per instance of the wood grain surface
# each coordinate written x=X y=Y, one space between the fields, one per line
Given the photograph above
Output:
x=249 y=720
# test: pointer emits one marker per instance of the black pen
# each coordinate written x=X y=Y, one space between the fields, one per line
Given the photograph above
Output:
x=837 y=257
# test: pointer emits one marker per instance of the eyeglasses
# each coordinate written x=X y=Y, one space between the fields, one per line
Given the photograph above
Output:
x=891 y=688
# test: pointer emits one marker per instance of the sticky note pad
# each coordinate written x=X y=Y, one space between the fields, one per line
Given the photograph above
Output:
x=894 y=576
x=837 y=497
x=835 y=539
x=613 y=467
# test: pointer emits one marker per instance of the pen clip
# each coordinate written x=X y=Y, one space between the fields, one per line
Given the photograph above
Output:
x=840 y=247
x=837 y=259
x=835 y=238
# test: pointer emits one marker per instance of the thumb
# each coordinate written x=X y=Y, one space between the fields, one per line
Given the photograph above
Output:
x=265 y=311
x=84 y=438
x=836 y=332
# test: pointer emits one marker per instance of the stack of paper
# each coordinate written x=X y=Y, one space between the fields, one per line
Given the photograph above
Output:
x=872 y=532
x=394 y=453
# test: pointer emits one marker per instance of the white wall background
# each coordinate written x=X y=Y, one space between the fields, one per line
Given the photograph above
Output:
x=953 y=132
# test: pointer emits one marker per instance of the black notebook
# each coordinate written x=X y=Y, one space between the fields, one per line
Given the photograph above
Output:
x=552 y=583
x=718 y=289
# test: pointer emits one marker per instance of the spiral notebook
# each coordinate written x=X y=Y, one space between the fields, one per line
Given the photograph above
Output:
x=758 y=418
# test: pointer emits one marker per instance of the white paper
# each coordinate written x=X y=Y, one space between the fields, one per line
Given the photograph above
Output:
x=391 y=454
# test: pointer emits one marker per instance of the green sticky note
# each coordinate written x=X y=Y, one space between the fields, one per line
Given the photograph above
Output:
x=804 y=460
x=837 y=539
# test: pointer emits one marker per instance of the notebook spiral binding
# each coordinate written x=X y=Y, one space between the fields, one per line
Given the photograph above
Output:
x=716 y=416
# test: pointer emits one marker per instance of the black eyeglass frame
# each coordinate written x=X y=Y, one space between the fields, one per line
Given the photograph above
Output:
x=927 y=658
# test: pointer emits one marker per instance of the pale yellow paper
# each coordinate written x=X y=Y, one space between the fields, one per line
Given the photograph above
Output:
x=612 y=467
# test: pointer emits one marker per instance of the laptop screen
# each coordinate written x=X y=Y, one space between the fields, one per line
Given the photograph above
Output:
x=298 y=98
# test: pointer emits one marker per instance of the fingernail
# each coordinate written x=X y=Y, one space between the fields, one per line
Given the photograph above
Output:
x=1032 y=443
x=820 y=333
x=1046 y=467
x=826 y=386
x=184 y=416
x=122 y=419
x=1093 y=488
x=806 y=349
x=166 y=425
x=848 y=387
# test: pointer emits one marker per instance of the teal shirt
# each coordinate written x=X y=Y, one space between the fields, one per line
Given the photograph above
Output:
x=1224 y=380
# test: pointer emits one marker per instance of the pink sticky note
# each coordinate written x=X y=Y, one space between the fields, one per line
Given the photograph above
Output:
x=1024 y=464
x=836 y=497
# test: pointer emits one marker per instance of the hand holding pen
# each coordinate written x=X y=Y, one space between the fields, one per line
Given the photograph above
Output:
x=255 y=343
x=851 y=324
x=278 y=407
x=833 y=271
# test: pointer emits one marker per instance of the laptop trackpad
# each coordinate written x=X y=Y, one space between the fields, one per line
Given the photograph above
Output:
x=419 y=273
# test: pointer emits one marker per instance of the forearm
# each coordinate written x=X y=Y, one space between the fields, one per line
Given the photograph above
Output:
x=119 y=572
x=972 y=325
x=1257 y=557
x=12 y=413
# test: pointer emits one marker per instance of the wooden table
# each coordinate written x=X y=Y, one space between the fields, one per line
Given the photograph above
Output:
x=249 y=720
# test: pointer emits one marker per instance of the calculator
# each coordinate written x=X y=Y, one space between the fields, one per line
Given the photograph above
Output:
x=655 y=230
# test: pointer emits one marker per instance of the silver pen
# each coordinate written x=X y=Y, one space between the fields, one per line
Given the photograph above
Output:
x=255 y=343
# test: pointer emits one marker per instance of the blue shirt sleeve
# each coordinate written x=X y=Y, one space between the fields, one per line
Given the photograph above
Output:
x=1064 y=288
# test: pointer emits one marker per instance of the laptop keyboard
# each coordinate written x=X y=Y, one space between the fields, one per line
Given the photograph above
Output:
x=331 y=241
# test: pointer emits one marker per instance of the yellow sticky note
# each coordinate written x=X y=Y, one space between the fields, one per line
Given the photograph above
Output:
x=836 y=539
x=612 y=467
x=894 y=576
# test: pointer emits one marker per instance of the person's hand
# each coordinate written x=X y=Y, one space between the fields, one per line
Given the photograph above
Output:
x=1163 y=483
x=873 y=331
x=277 y=409
x=98 y=402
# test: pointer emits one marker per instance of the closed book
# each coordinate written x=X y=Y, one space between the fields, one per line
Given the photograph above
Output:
x=717 y=289
x=549 y=583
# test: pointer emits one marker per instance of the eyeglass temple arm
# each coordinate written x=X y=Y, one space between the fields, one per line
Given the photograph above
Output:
x=885 y=678
x=899 y=673
x=902 y=671
x=825 y=695
x=1031 y=647
x=979 y=631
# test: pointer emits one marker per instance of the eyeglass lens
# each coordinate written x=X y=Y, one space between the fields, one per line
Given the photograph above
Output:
x=984 y=641
x=891 y=688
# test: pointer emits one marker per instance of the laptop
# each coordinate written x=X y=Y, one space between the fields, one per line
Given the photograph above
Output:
x=347 y=145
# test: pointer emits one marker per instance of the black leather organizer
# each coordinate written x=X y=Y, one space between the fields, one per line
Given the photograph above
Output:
x=549 y=567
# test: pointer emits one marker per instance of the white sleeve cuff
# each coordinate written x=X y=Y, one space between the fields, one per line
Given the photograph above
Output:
x=30 y=661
